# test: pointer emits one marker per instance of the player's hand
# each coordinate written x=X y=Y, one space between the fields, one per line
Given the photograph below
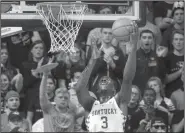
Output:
x=134 y=36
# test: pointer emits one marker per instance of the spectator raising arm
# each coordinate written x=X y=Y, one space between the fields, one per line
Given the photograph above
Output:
x=44 y=101
x=163 y=23
x=17 y=81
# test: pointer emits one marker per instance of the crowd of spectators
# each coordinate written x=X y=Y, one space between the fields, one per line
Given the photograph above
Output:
x=158 y=82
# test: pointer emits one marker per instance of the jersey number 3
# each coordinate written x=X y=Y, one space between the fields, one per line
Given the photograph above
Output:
x=105 y=122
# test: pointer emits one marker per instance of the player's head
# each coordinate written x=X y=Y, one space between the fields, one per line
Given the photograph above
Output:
x=178 y=40
x=12 y=100
x=106 y=89
x=135 y=95
x=149 y=96
x=158 y=125
x=51 y=84
x=156 y=84
x=178 y=12
x=146 y=39
x=62 y=98
x=107 y=35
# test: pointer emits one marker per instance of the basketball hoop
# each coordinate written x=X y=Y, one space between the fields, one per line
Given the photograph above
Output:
x=63 y=21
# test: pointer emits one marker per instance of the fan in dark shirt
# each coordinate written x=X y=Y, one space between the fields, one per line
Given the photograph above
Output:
x=147 y=112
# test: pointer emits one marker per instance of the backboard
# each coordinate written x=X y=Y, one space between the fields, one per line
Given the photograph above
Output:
x=23 y=14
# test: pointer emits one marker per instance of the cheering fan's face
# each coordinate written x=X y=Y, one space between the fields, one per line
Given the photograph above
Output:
x=123 y=9
x=4 y=82
x=154 y=85
x=13 y=103
x=107 y=35
x=105 y=11
x=77 y=76
x=134 y=95
x=178 y=42
x=4 y=55
x=16 y=39
x=62 y=100
x=75 y=55
x=146 y=41
x=179 y=16
x=149 y=97
x=158 y=127
x=50 y=85
x=24 y=38
x=38 y=51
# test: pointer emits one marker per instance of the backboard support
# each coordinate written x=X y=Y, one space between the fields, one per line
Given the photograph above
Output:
x=25 y=15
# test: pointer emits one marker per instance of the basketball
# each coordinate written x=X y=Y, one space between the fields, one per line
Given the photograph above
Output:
x=122 y=28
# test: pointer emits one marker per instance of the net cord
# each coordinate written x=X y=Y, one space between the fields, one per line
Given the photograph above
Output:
x=62 y=39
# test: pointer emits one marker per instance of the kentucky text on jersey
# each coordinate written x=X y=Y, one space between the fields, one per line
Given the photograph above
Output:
x=104 y=111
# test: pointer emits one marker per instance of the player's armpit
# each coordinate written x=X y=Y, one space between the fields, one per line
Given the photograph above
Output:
x=87 y=102
x=123 y=97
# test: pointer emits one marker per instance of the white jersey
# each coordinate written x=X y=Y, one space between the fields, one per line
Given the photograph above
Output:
x=38 y=126
x=106 y=117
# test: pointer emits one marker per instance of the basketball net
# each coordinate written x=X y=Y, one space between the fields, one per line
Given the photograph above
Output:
x=63 y=21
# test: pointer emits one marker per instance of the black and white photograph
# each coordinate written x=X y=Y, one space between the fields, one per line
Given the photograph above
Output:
x=92 y=66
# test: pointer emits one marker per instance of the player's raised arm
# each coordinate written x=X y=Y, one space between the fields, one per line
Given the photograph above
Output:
x=130 y=68
x=81 y=87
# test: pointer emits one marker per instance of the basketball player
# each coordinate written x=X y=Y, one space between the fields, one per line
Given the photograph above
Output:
x=108 y=113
